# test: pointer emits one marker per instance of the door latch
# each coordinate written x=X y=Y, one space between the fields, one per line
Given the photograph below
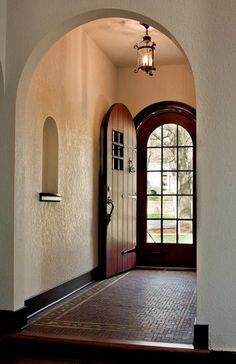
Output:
x=109 y=214
x=131 y=166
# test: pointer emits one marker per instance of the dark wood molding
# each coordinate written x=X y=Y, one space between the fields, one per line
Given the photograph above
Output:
x=15 y=349
x=11 y=321
x=162 y=108
x=201 y=333
x=44 y=299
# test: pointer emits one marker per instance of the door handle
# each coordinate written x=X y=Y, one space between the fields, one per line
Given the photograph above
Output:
x=132 y=250
x=109 y=214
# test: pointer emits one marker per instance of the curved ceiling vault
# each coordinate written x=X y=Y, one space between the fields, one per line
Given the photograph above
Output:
x=117 y=36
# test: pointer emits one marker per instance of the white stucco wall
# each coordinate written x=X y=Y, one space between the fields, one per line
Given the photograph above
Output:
x=7 y=177
x=205 y=30
x=61 y=239
x=171 y=82
x=3 y=23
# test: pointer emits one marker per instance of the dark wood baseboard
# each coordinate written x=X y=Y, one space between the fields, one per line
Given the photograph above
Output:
x=11 y=321
x=201 y=333
x=39 y=302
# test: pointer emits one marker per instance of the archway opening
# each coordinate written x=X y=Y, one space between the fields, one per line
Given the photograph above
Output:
x=76 y=81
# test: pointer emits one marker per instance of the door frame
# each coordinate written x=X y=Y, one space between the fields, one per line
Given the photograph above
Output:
x=148 y=254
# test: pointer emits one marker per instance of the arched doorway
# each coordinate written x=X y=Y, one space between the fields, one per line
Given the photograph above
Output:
x=84 y=118
x=73 y=205
x=166 y=221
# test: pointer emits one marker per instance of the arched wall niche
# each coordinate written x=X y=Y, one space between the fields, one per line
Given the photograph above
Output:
x=50 y=156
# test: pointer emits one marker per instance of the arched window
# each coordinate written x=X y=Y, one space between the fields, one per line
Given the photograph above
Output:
x=166 y=206
x=50 y=156
x=170 y=185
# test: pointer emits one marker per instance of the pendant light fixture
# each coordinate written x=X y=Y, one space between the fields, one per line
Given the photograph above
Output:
x=145 y=54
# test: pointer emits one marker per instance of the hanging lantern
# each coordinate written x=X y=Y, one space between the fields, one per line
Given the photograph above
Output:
x=145 y=54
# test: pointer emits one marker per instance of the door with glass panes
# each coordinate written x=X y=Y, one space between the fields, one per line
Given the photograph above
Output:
x=166 y=190
x=118 y=192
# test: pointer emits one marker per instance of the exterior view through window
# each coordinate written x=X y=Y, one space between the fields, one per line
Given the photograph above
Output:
x=170 y=185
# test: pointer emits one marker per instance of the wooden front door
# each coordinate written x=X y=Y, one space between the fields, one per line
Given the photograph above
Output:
x=118 y=192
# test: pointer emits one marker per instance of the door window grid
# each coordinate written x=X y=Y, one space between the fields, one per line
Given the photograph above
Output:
x=117 y=150
x=172 y=170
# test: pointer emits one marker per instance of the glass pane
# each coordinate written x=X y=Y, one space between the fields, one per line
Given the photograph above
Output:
x=185 y=207
x=121 y=138
x=169 y=158
x=153 y=159
x=153 y=183
x=153 y=231
x=115 y=136
x=184 y=138
x=185 y=183
x=169 y=183
x=185 y=158
x=155 y=138
x=115 y=150
x=115 y=163
x=169 y=135
x=185 y=230
x=169 y=207
x=169 y=231
x=154 y=207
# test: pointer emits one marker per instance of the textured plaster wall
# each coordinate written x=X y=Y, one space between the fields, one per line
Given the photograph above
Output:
x=216 y=132
x=3 y=23
x=69 y=86
x=173 y=82
x=7 y=176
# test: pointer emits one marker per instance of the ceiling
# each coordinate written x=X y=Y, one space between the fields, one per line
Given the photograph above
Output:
x=117 y=36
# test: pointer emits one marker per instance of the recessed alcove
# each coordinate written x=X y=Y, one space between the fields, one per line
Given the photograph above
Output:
x=50 y=162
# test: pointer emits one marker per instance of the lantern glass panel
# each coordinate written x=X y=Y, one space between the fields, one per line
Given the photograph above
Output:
x=145 y=57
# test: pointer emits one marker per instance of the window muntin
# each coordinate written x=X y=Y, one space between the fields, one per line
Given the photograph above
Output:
x=170 y=185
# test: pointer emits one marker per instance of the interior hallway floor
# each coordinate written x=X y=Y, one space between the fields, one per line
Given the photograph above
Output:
x=140 y=305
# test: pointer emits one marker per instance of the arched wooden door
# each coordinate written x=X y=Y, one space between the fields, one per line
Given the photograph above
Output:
x=118 y=192
x=166 y=145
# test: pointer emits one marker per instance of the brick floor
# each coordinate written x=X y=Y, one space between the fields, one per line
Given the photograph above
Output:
x=146 y=305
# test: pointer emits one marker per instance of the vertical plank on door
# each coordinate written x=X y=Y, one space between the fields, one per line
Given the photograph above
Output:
x=119 y=199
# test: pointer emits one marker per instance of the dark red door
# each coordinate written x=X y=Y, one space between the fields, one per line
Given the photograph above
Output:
x=118 y=192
